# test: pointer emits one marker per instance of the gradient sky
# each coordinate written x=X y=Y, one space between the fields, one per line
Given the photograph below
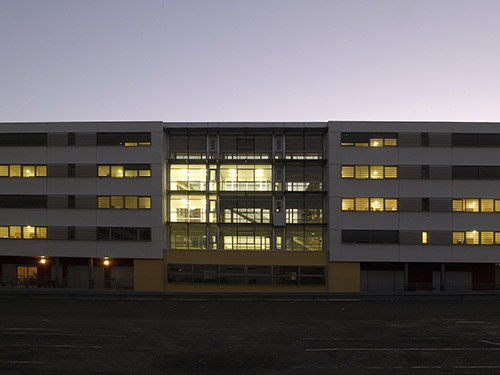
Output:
x=252 y=60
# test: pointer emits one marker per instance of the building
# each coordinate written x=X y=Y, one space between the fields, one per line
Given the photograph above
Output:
x=249 y=207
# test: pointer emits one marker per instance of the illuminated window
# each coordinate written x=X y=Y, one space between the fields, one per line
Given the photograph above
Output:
x=4 y=232
x=188 y=177
x=362 y=204
x=425 y=237
x=4 y=171
x=15 y=231
x=391 y=172
x=361 y=144
x=245 y=177
x=487 y=205
x=117 y=201
x=376 y=142
x=41 y=171
x=347 y=204
x=458 y=205
x=472 y=205
x=376 y=204
x=188 y=208
x=41 y=232
x=368 y=139
x=103 y=202
x=131 y=144
x=347 y=172
x=144 y=202
x=15 y=171
x=28 y=232
x=131 y=202
x=458 y=238
x=130 y=173
x=391 y=204
x=497 y=238
x=376 y=172
x=361 y=171
x=390 y=142
x=28 y=171
x=497 y=205
x=103 y=171
x=117 y=171
x=487 y=238
x=472 y=237
x=144 y=173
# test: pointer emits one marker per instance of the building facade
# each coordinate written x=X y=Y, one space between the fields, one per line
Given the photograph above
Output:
x=250 y=207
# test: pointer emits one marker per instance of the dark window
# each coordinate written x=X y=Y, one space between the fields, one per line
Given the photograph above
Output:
x=246 y=144
x=475 y=140
x=23 y=201
x=103 y=233
x=425 y=204
x=120 y=139
x=71 y=201
x=71 y=139
x=71 y=170
x=144 y=234
x=23 y=139
x=370 y=236
x=424 y=139
x=472 y=172
x=425 y=172
x=71 y=233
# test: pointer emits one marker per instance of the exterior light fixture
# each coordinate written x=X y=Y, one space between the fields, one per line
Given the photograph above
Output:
x=106 y=262
x=43 y=260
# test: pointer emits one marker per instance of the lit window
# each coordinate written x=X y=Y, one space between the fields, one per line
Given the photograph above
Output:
x=458 y=238
x=472 y=237
x=347 y=172
x=425 y=237
x=130 y=144
x=144 y=202
x=362 y=204
x=15 y=171
x=189 y=177
x=188 y=208
x=391 y=204
x=130 y=173
x=103 y=202
x=103 y=171
x=4 y=170
x=390 y=142
x=28 y=171
x=376 y=204
x=116 y=201
x=131 y=202
x=486 y=205
x=361 y=171
x=361 y=144
x=472 y=205
x=117 y=171
x=376 y=142
x=144 y=173
x=41 y=171
x=41 y=232
x=28 y=232
x=15 y=231
x=487 y=238
x=4 y=232
x=347 y=204
x=391 y=172
x=497 y=205
x=376 y=172
x=458 y=205
x=497 y=238
x=144 y=143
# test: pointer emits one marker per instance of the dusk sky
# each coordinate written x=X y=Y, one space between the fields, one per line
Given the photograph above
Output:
x=253 y=60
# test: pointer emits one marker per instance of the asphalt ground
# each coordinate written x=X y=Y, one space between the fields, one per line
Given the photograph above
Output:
x=120 y=336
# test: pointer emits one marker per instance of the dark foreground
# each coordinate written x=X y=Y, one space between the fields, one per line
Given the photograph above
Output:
x=61 y=336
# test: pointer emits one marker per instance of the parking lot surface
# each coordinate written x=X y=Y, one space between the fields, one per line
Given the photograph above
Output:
x=119 y=336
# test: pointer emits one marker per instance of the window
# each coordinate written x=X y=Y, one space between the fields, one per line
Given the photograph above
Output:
x=23 y=139
x=188 y=146
x=476 y=205
x=304 y=146
x=15 y=231
x=370 y=236
x=458 y=238
x=304 y=178
x=487 y=238
x=246 y=238
x=130 y=202
x=123 y=234
x=303 y=238
x=124 y=139
x=15 y=171
x=246 y=177
x=26 y=232
x=188 y=177
x=369 y=139
x=128 y=171
x=487 y=205
x=191 y=237
x=245 y=209
x=304 y=209
x=374 y=172
x=188 y=208
x=369 y=204
x=4 y=232
x=425 y=237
